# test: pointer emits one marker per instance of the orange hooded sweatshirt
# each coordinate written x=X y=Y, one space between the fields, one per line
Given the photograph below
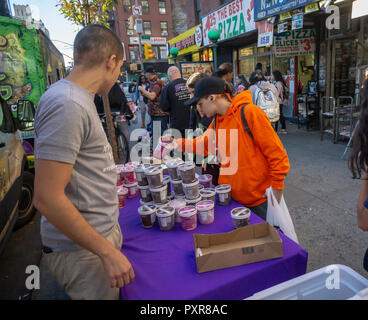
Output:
x=249 y=166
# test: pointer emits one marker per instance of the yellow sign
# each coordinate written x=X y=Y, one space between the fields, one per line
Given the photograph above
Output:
x=245 y=52
x=196 y=57
x=311 y=7
x=285 y=15
x=185 y=42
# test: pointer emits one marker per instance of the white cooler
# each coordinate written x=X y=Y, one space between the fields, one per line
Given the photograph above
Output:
x=318 y=285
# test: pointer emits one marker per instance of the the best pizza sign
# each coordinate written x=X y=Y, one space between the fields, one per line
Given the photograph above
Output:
x=231 y=20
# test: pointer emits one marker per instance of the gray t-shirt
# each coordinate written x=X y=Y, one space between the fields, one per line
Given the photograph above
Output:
x=68 y=130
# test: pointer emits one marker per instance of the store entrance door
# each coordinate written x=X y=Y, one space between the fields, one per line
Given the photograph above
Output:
x=344 y=62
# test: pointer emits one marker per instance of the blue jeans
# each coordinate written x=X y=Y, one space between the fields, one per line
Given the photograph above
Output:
x=164 y=123
x=260 y=210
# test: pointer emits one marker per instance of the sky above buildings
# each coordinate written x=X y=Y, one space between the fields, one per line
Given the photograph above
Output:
x=60 y=29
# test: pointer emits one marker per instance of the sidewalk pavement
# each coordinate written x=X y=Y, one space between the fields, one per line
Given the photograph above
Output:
x=322 y=198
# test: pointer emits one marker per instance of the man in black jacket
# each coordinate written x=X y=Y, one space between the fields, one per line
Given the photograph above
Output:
x=118 y=104
x=174 y=95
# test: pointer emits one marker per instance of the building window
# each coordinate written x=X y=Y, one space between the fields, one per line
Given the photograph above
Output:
x=145 y=6
x=163 y=52
x=133 y=53
x=127 y=5
x=129 y=32
x=162 y=7
x=164 y=28
x=147 y=28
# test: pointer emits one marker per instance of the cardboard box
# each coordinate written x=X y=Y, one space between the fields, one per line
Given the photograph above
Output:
x=245 y=245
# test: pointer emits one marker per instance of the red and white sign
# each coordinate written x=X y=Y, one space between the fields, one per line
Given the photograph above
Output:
x=137 y=10
x=265 y=34
x=152 y=40
x=198 y=36
x=231 y=20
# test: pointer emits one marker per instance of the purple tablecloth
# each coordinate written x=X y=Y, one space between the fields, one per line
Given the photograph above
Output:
x=165 y=267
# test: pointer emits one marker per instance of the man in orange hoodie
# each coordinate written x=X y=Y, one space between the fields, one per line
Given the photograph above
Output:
x=251 y=154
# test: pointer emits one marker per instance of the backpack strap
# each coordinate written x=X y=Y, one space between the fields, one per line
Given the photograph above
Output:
x=245 y=122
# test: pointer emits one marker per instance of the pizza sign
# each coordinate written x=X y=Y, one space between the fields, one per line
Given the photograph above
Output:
x=295 y=43
x=230 y=20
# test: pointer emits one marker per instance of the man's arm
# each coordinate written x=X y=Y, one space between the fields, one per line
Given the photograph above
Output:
x=51 y=180
x=149 y=95
x=271 y=146
x=362 y=211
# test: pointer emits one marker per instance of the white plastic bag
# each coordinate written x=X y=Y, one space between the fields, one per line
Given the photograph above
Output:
x=278 y=215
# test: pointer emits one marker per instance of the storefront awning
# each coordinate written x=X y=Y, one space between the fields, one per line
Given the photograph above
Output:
x=187 y=42
x=265 y=8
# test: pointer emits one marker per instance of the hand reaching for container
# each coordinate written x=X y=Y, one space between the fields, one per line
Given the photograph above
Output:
x=165 y=145
x=168 y=138
x=118 y=269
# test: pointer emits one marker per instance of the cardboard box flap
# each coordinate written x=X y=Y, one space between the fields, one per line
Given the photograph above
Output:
x=257 y=231
x=242 y=246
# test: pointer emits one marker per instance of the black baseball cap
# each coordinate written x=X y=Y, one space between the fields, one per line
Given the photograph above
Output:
x=205 y=87
x=150 y=69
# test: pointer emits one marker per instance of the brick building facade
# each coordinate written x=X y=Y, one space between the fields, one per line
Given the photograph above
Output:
x=196 y=9
x=157 y=26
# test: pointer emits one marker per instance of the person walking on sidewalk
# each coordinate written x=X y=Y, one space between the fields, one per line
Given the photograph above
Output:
x=241 y=84
x=282 y=97
x=258 y=83
x=153 y=95
x=173 y=98
x=251 y=163
x=226 y=72
x=75 y=175
x=142 y=100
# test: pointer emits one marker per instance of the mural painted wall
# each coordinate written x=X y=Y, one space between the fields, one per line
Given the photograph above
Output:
x=21 y=63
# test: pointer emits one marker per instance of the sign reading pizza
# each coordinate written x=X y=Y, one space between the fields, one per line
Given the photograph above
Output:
x=231 y=20
x=295 y=43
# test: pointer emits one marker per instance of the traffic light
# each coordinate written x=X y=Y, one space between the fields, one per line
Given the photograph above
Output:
x=148 y=54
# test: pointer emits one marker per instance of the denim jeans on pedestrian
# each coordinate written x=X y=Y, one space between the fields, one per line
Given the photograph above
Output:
x=260 y=210
x=282 y=119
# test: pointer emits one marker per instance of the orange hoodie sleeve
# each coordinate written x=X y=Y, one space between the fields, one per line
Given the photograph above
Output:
x=202 y=145
x=269 y=143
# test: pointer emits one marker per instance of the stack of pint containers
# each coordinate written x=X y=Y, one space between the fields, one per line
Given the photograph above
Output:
x=130 y=181
x=143 y=186
x=157 y=187
x=119 y=180
x=190 y=183
x=121 y=190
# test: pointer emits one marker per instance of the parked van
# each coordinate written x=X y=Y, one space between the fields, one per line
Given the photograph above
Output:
x=16 y=178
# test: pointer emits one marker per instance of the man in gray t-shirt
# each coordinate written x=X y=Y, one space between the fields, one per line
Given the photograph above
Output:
x=75 y=183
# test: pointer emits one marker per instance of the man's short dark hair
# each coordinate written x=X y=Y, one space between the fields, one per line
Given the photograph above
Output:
x=94 y=44
x=150 y=69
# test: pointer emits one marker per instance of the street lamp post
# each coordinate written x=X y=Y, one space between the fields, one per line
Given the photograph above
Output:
x=174 y=52
x=214 y=35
